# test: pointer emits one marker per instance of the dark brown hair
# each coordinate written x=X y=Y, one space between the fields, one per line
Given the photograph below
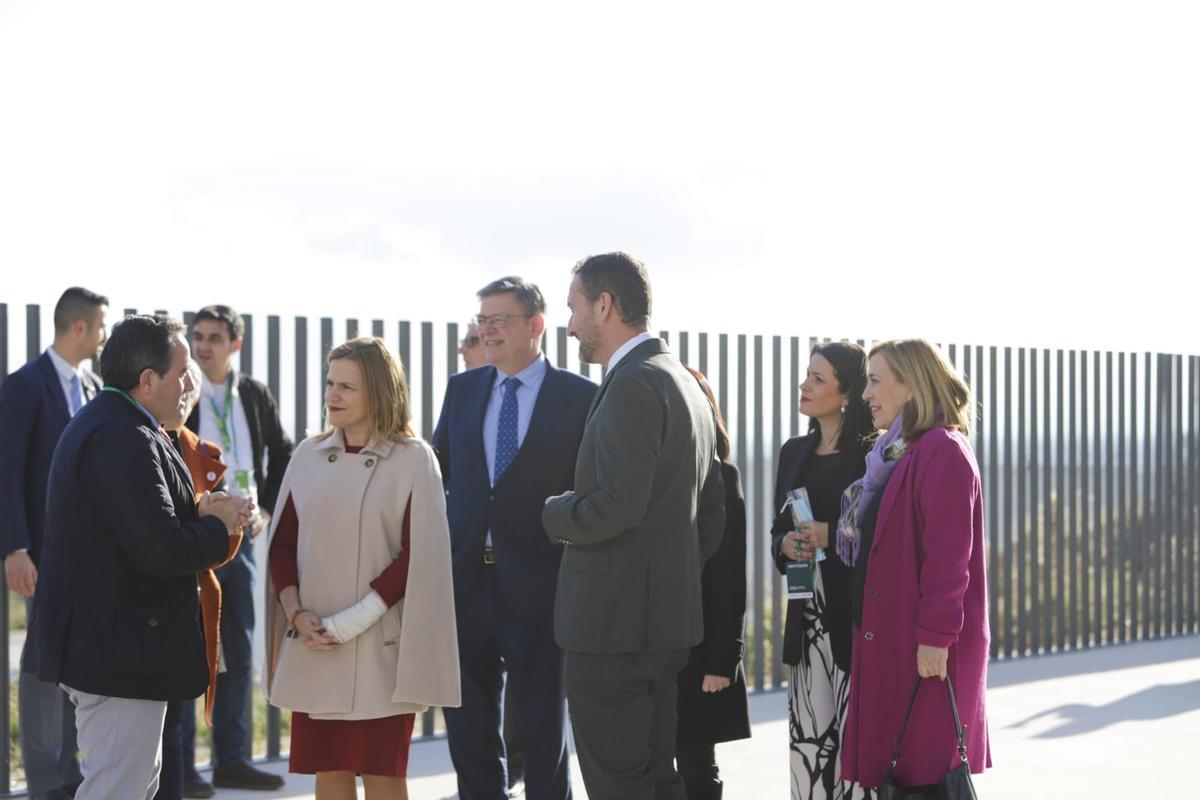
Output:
x=76 y=304
x=137 y=344
x=849 y=363
x=723 y=445
x=219 y=313
x=625 y=280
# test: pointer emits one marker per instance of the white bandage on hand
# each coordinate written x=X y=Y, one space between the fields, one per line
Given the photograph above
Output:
x=350 y=622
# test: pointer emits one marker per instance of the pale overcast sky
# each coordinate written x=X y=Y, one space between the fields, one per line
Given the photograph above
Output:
x=1018 y=172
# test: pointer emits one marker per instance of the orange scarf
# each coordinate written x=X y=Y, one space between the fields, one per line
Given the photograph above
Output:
x=203 y=461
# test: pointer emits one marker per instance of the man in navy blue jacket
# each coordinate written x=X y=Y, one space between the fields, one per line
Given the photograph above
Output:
x=116 y=616
x=36 y=402
x=507 y=439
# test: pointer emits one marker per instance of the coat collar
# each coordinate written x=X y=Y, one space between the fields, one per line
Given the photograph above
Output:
x=203 y=460
x=53 y=385
x=644 y=351
x=798 y=459
x=337 y=441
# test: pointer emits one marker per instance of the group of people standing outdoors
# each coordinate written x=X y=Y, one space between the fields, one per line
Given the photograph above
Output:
x=901 y=590
x=560 y=551
x=220 y=404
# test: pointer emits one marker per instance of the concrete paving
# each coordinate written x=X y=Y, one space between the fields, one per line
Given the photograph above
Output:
x=1119 y=721
x=752 y=768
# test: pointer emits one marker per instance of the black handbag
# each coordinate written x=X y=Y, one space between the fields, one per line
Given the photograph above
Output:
x=954 y=785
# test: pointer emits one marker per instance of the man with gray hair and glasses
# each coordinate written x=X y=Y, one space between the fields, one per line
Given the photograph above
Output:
x=507 y=438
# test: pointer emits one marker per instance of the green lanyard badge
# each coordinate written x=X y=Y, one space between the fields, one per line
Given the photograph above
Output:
x=227 y=430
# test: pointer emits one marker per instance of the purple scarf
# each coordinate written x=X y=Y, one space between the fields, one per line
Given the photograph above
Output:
x=858 y=496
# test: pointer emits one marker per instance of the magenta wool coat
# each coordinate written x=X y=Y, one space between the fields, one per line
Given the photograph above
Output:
x=925 y=585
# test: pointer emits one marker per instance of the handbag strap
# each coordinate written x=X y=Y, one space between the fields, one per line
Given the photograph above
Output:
x=958 y=726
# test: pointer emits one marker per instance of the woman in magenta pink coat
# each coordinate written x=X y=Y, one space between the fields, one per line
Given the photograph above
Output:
x=913 y=531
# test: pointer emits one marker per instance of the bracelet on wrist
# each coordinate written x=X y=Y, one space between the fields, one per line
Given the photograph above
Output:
x=296 y=613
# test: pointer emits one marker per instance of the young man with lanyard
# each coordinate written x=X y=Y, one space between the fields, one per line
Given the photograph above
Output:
x=238 y=413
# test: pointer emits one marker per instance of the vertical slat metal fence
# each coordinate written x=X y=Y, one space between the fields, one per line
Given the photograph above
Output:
x=1088 y=461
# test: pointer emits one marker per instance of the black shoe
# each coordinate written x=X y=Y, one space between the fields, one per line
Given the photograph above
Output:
x=244 y=776
x=195 y=786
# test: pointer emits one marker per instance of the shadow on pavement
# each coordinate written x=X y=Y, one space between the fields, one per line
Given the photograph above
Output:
x=1157 y=702
x=1097 y=659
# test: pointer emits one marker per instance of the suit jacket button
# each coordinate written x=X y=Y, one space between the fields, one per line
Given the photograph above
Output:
x=370 y=462
x=152 y=622
x=492 y=497
x=332 y=457
x=871 y=592
x=868 y=636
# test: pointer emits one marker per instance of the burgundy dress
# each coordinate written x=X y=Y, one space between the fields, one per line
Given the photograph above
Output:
x=364 y=746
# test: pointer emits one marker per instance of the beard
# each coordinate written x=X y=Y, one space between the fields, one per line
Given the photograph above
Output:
x=587 y=352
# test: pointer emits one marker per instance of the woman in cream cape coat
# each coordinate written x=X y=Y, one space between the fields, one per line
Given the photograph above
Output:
x=408 y=661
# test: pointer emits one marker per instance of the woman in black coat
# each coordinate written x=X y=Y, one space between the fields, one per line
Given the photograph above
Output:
x=712 y=704
x=816 y=643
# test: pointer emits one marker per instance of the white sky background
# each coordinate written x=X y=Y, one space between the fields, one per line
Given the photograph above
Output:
x=1017 y=172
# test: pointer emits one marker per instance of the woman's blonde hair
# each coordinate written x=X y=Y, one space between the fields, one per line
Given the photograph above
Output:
x=940 y=399
x=385 y=385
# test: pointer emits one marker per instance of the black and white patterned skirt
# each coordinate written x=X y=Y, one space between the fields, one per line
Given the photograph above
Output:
x=818 y=692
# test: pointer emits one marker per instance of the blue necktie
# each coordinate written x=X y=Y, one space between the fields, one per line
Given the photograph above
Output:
x=506 y=432
x=76 y=395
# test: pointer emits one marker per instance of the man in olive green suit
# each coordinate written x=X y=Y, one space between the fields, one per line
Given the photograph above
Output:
x=647 y=510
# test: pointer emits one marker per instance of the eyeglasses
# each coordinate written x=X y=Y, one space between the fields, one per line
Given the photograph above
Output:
x=470 y=341
x=498 y=320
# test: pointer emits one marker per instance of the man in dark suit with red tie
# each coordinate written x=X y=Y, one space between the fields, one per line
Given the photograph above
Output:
x=508 y=437
x=36 y=403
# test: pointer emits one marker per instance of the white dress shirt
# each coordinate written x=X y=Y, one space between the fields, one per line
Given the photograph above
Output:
x=239 y=456
x=65 y=374
x=624 y=349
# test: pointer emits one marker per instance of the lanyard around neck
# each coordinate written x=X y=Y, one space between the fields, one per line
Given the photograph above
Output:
x=226 y=427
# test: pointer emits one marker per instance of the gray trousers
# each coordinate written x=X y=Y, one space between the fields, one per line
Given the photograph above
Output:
x=622 y=710
x=47 y=728
x=121 y=743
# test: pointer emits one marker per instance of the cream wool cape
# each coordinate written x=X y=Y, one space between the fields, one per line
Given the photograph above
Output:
x=351 y=512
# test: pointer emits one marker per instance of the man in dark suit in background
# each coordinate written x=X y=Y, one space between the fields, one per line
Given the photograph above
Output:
x=507 y=438
x=648 y=509
x=36 y=403
x=239 y=414
x=117 y=616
